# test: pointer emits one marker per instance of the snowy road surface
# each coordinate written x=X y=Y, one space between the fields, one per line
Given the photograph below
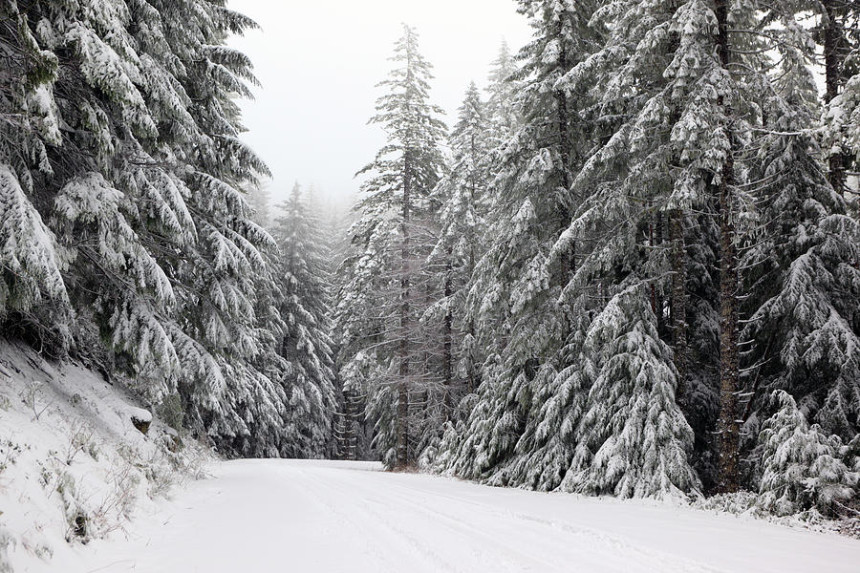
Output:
x=293 y=516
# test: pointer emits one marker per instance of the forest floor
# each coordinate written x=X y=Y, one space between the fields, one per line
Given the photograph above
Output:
x=308 y=516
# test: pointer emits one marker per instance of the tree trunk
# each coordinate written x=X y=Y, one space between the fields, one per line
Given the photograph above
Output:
x=728 y=428
x=832 y=80
x=403 y=385
x=679 y=300
x=449 y=336
x=565 y=149
x=651 y=246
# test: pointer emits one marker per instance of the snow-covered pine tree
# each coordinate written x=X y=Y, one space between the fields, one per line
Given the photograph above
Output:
x=804 y=327
x=462 y=194
x=630 y=203
x=690 y=75
x=128 y=149
x=633 y=440
x=838 y=35
x=645 y=178
x=226 y=348
x=801 y=466
x=260 y=202
x=33 y=297
x=513 y=294
x=501 y=109
x=303 y=304
x=113 y=281
x=485 y=131
x=381 y=304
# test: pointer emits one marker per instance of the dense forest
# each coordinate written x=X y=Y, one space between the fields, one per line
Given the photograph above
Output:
x=631 y=267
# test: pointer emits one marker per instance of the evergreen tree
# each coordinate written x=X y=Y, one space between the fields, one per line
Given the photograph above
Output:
x=462 y=193
x=501 y=110
x=302 y=279
x=123 y=174
x=838 y=34
x=260 y=202
x=514 y=291
x=805 y=323
x=633 y=440
x=801 y=467
x=390 y=241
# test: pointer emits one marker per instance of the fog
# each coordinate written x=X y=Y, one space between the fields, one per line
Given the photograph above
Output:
x=318 y=64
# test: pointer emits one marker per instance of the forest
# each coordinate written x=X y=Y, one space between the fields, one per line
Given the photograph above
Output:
x=630 y=268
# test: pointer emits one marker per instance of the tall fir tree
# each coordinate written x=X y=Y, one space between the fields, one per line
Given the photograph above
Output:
x=804 y=320
x=514 y=290
x=390 y=243
x=302 y=300
x=462 y=194
x=128 y=238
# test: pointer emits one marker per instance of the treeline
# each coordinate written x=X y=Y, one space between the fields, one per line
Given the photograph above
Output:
x=126 y=241
x=635 y=272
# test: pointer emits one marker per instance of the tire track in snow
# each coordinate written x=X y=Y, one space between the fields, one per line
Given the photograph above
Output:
x=343 y=506
x=603 y=548
x=516 y=561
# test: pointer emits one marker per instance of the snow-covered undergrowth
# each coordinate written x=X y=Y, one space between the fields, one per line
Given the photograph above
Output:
x=748 y=505
x=74 y=461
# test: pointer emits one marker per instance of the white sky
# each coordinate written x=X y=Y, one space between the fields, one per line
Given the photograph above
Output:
x=319 y=62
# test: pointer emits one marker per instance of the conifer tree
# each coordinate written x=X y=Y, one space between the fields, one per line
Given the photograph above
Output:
x=805 y=322
x=124 y=172
x=389 y=241
x=838 y=35
x=302 y=301
x=633 y=440
x=501 y=109
x=462 y=194
x=801 y=467
x=513 y=294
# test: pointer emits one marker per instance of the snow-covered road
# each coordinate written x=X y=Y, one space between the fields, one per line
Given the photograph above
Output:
x=292 y=516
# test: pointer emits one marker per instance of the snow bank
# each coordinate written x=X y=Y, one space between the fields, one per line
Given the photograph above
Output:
x=75 y=463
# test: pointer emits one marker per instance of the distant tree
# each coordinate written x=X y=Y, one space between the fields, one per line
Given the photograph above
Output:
x=381 y=304
x=302 y=301
x=259 y=200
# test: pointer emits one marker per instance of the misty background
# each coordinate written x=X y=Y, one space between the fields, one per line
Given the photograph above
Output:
x=308 y=120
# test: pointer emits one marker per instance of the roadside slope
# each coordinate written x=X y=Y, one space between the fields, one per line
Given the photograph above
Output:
x=73 y=466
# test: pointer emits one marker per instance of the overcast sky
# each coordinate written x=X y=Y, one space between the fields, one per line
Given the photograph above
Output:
x=319 y=62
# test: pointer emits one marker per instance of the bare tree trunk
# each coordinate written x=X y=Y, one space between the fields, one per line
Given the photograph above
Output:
x=568 y=263
x=651 y=246
x=449 y=336
x=832 y=81
x=728 y=427
x=403 y=385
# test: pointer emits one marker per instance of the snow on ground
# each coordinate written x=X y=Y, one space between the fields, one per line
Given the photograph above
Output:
x=73 y=467
x=311 y=516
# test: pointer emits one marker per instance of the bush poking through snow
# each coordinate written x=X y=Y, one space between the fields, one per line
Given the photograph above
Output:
x=803 y=469
x=5 y=542
x=72 y=466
